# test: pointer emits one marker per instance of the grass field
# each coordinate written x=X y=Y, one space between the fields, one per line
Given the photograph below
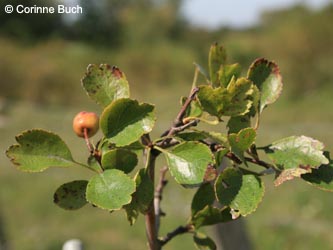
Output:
x=292 y=216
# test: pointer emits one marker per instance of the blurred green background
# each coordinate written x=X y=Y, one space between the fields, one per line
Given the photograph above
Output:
x=43 y=58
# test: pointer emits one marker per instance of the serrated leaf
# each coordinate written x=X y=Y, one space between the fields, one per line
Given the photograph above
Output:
x=105 y=84
x=321 y=177
x=227 y=72
x=124 y=121
x=203 y=242
x=38 y=150
x=212 y=100
x=297 y=151
x=188 y=162
x=210 y=215
x=71 y=195
x=266 y=76
x=290 y=174
x=236 y=100
x=242 y=141
x=242 y=193
x=217 y=57
x=239 y=97
x=121 y=159
x=204 y=196
x=110 y=190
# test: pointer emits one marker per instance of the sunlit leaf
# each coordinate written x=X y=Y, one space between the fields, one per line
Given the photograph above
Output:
x=242 y=141
x=110 y=190
x=38 y=150
x=239 y=98
x=241 y=192
x=105 y=84
x=124 y=121
x=266 y=76
x=217 y=57
x=212 y=100
x=188 y=162
x=297 y=151
x=227 y=72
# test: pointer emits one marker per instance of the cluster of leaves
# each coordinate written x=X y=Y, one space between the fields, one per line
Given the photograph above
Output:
x=194 y=156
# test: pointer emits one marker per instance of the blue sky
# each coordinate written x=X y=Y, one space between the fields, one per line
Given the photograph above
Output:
x=236 y=13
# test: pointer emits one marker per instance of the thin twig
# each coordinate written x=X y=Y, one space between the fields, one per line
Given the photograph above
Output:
x=178 y=231
x=259 y=162
x=158 y=196
x=179 y=118
x=175 y=130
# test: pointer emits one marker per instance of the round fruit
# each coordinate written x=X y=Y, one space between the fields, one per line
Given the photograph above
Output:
x=88 y=121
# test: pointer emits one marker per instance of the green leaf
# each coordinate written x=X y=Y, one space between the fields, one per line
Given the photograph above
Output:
x=124 y=121
x=121 y=159
x=71 y=195
x=217 y=57
x=227 y=72
x=105 y=84
x=242 y=141
x=237 y=123
x=110 y=190
x=239 y=98
x=321 y=177
x=296 y=155
x=236 y=100
x=38 y=150
x=242 y=193
x=142 y=197
x=203 y=242
x=210 y=215
x=219 y=156
x=144 y=193
x=204 y=196
x=192 y=135
x=212 y=100
x=132 y=213
x=188 y=162
x=266 y=76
